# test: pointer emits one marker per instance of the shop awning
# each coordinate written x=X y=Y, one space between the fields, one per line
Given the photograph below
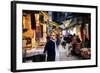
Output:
x=54 y=23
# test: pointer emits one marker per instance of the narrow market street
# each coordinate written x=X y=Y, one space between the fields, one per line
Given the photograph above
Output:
x=64 y=36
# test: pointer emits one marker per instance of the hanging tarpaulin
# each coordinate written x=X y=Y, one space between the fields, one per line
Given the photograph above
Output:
x=62 y=26
x=54 y=24
x=67 y=22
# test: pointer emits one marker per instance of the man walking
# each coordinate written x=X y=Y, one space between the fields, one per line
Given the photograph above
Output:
x=50 y=49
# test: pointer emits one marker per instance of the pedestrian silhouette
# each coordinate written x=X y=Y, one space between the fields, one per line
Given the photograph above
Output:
x=50 y=49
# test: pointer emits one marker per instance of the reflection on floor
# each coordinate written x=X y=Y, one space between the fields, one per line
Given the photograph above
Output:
x=61 y=54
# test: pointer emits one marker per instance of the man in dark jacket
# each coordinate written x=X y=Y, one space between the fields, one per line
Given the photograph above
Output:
x=50 y=49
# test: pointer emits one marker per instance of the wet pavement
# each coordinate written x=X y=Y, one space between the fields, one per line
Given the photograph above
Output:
x=61 y=54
